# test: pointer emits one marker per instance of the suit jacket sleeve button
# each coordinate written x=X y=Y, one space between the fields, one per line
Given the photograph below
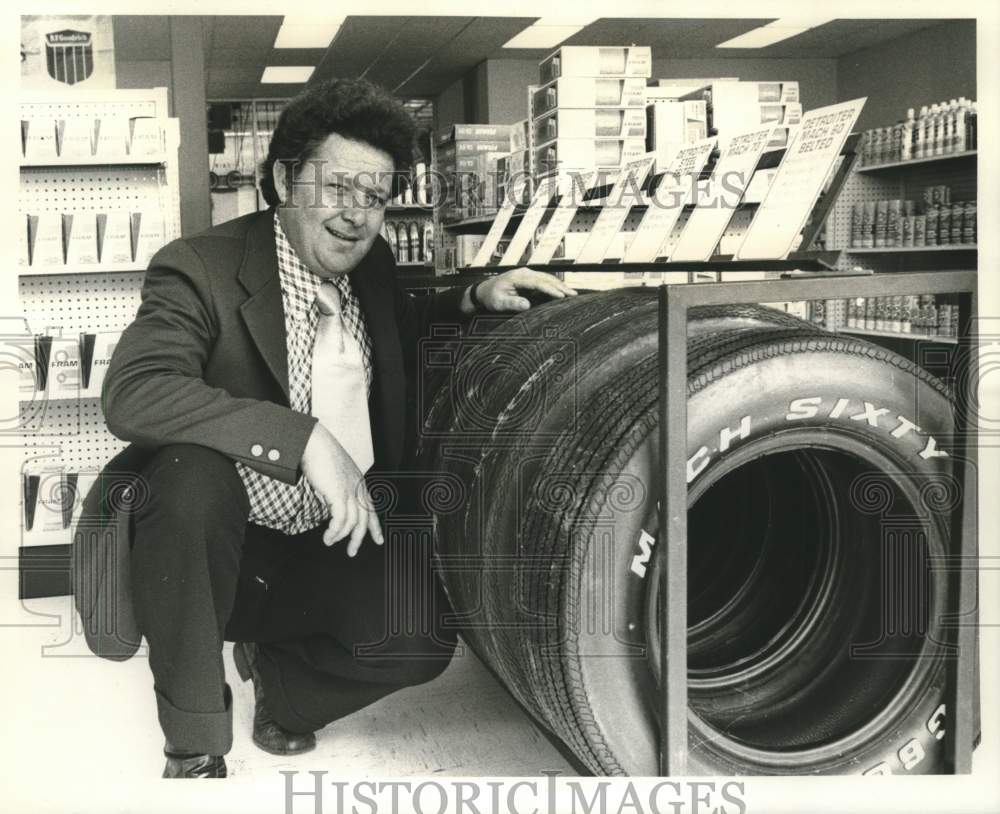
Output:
x=256 y=450
x=273 y=454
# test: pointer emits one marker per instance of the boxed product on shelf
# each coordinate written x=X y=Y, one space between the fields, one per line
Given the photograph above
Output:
x=588 y=92
x=76 y=138
x=147 y=236
x=519 y=134
x=450 y=150
x=45 y=239
x=587 y=60
x=453 y=164
x=736 y=107
x=38 y=139
x=924 y=315
x=23 y=243
x=475 y=132
x=112 y=137
x=896 y=223
x=590 y=123
x=80 y=238
x=144 y=136
x=52 y=501
x=671 y=124
x=114 y=233
x=583 y=154
x=466 y=247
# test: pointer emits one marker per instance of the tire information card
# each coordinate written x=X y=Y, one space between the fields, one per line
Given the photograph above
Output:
x=668 y=200
x=803 y=171
x=715 y=207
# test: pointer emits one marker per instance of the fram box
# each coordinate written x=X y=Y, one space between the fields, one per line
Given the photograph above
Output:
x=587 y=60
x=780 y=114
x=584 y=154
x=475 y=132
x=627 y=122
x=672 y=123
x=578 y=91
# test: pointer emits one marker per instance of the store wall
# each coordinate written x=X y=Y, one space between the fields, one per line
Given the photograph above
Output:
x=921 y=68
x=508 y=88
x=145 y=74
x=449 y=106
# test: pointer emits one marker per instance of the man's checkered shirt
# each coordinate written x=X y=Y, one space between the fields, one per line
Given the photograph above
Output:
x=296 y=508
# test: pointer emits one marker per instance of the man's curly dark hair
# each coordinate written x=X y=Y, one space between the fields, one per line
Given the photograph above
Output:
x=354 y=109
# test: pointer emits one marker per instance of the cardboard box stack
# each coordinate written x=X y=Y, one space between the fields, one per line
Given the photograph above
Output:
x=588 y=111
x=733 y=106
x=466 y=158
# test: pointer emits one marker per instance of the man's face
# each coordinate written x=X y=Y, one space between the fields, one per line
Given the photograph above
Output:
x=333 y=232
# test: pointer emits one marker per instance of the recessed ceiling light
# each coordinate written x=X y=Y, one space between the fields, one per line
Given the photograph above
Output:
x=286 y=74
x=307 y=32
x=773 y=32
x=542 y=36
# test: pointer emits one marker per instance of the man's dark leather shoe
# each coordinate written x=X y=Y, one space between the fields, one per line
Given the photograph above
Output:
x=185 y=764
x=268 y=734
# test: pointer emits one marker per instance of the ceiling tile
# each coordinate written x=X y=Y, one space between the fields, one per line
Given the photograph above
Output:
x=244 y=32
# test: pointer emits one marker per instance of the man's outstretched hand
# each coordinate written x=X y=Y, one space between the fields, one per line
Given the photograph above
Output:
x=502 y=293
x=332 y=472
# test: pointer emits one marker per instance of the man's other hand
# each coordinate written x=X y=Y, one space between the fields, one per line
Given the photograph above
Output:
x=332 y=472
x=502 y=293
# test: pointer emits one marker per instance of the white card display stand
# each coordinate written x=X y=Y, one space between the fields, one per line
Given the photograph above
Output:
x=804 y=169
x=625 y=194
x=574 y=189
x=529 y=222
x=499 y=225
x=714 y=209
x=668 y=200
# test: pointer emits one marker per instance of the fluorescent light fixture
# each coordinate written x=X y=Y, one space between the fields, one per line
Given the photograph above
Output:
x=773 y=32
x=548 y=32
x=307 y=32
x=542 y=36
x=286 y=74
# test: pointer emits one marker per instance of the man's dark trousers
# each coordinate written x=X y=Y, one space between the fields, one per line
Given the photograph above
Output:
x=335 y=633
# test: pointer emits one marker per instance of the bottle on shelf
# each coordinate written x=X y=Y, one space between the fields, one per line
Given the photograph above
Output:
x=920 y=142
x=403 y=242
x=416 y=255
x=906 y=152
x=429 y=242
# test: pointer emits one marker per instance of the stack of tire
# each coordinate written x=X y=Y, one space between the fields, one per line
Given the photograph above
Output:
x=820 y=493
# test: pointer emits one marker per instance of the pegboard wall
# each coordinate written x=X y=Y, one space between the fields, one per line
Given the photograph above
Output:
x=70 y=434
x=107 y=188
x=67 y=434
x=95 y=104
x=905 y=182
x=58 y=304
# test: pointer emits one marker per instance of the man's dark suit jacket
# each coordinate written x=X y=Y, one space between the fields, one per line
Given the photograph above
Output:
x=205 y=362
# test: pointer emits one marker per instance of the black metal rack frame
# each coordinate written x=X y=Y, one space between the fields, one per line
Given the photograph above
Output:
x=675 y=300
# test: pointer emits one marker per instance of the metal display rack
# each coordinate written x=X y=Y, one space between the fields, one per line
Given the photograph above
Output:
x=62 y=427
x=904 y=179
x=675 y=301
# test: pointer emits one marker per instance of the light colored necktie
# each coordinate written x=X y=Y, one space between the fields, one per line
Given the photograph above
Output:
x=339 y=391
